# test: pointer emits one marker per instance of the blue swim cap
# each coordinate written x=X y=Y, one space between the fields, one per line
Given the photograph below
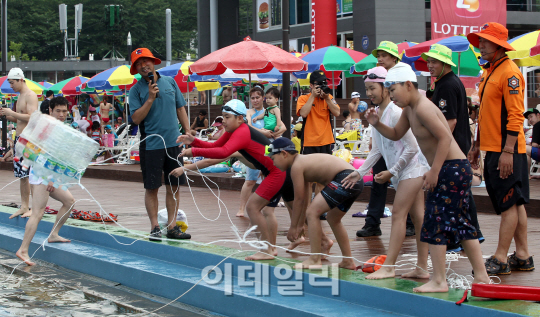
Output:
x=235 y=107
x=362 y=106
x=74 y=125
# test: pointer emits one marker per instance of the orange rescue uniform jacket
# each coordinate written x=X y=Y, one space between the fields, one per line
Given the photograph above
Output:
x=501 y=106
x=317 y=125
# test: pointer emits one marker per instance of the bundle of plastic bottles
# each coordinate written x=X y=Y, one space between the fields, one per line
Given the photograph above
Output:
x=56 y=152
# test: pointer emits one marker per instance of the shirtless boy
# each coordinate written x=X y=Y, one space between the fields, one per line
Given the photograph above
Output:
x=447 y=182
x=406 y=165
x=58 y=108
x=353 y=110
x=334 y=199
x=26 y=104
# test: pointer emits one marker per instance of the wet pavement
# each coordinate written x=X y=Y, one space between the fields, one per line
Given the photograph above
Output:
x=49 y=290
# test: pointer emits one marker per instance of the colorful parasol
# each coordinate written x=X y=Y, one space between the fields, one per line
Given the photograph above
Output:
x=69 y=86
x=5 y=88
x=524 y=47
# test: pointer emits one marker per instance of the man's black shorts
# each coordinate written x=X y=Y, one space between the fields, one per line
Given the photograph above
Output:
x=505 y=193
x=326 y=149
x=155 y=163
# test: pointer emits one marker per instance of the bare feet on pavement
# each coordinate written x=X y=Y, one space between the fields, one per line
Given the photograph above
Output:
x=295 y=244
x=240 y=213
x=325 y=248
x=347 y=264
x=309 y=264
x=24 y=256
x=23 y=212
x=260 y=256
x=57 y=239
x=432 y=287
x=416 y=273
x=383 y=272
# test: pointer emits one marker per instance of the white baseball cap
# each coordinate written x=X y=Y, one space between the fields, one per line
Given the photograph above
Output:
x=15 y=73
x=355 y=95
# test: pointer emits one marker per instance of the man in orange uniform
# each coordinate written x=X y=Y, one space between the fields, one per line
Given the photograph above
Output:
x=500 y=125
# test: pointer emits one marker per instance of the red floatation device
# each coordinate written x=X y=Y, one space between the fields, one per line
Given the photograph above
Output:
x=506 y=292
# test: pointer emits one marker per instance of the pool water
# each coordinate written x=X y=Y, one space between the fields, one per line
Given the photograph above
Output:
x=37 y=296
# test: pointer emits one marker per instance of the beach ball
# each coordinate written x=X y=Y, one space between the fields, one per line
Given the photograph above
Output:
x=362 y=106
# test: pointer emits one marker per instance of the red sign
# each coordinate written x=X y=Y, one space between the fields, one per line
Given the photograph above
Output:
x=454 y=17
x=323 y=23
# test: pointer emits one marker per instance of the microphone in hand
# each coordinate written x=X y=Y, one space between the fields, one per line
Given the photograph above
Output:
x=152 y=81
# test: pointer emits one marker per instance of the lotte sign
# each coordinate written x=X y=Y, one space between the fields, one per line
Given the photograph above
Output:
x=454 y=17
x=323 y=23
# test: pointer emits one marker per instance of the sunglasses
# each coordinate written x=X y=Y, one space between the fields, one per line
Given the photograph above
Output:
x=372 y=76
x=269 y=150
x=388 y=84
x=229 y=109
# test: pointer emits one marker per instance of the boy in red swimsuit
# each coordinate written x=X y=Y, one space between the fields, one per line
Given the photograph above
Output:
x=240 y=137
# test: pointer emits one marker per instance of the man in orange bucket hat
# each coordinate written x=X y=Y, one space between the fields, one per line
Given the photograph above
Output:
x=500 y=134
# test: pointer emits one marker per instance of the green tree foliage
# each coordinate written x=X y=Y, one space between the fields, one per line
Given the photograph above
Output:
x=35 y=24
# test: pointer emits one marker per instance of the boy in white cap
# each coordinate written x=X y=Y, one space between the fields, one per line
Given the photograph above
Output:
x=406 y=165
x=447 y=182
x=26 y=104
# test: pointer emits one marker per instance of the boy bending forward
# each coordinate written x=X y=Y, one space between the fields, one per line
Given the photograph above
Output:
x=448 y=181
x=327 y=170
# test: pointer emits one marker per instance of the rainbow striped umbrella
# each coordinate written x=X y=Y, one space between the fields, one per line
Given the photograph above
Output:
x=463 y=54
x=535 y=50
x=330 y=59
x=180 y=73
x=523 y=46
x=45 y=84
x=116 y=76
x=69 y=86
x=370 y=61
x=6 y=89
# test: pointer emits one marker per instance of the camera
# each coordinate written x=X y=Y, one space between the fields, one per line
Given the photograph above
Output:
x=324 y=87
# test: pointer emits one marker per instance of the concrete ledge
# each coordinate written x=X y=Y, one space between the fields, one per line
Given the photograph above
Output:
x=168 y=269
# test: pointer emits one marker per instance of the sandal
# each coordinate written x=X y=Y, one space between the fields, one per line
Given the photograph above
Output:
x=86 y=216
x=517 y=264
x=12 y=205
x=95 y=216
x=110 y=218
x=50 y=211
x=75 y=214
x=496 y=267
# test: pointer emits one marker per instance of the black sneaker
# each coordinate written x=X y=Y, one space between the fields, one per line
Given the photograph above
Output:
x=369 y=231
x=517 y=264
x=155 y=234
x=496 y=267
x=409 y=232
x=176 y=233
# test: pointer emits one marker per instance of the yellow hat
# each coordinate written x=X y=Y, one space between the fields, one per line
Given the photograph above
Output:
x=440 y=53
x=389 y=47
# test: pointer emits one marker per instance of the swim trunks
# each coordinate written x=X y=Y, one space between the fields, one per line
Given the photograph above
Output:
x=105 y=119
x=338 y=196
x=447 y=219
x=514 y=190
x=17 y=166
